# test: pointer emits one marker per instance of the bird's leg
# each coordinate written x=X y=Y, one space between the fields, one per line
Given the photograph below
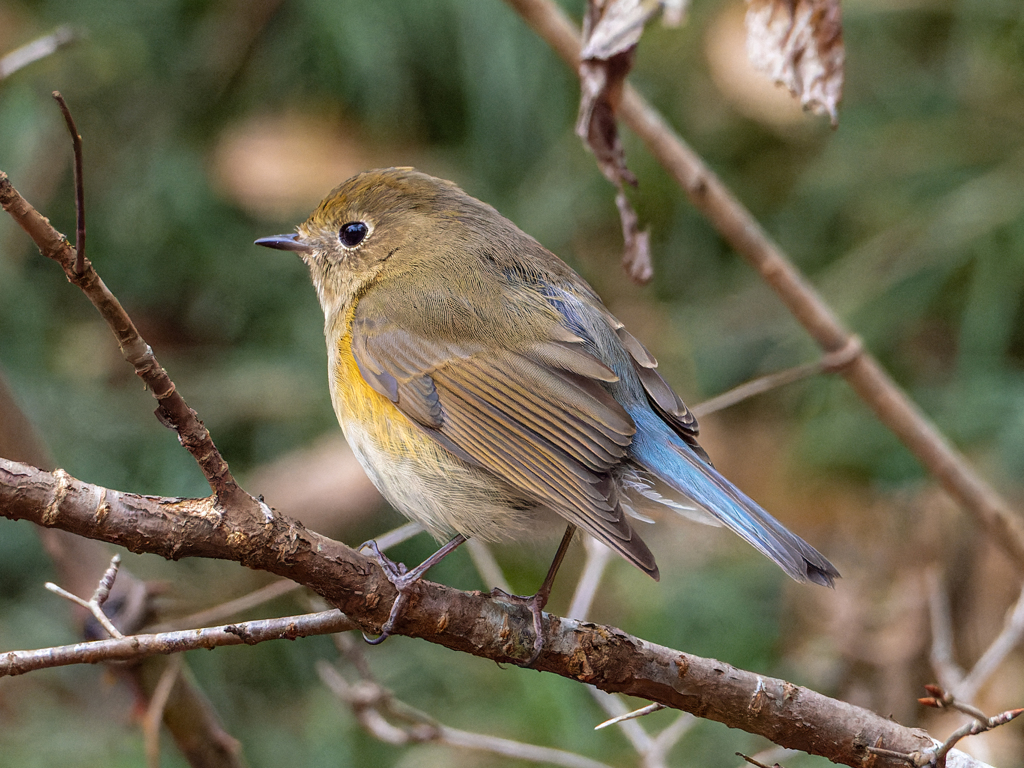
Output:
x=537 y=602
x=402 y=579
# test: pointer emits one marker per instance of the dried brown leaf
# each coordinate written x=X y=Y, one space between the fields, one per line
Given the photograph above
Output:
x=636 y=259
x=614 y=26
x=799 y=44
x=611 y=31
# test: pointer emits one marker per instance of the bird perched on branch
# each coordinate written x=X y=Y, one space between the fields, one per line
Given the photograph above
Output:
x=486 y=390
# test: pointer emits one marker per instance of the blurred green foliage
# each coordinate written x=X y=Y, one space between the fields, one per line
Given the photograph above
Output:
x=910 y=217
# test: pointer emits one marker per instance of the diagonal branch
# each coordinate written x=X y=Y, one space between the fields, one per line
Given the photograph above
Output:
x=741 y=230
x=172 y=411
x=601 y=656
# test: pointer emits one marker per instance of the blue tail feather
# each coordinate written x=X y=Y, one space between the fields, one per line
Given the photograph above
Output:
x=658 y=449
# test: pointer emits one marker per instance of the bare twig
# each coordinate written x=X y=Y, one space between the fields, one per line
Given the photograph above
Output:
x=1008 y=639
x=376 y=707
x=630 y=715
x=598 y=557
x=980 y=723
x=772 y=755
x=487 y=566
x=396 y=536
x=754 y=761
x=667 y=738
x=38 y=49
x=155 y=710
x=135 y=647
x=832 y=362
x=949 y=673
x=95 y=604
x=189 y=716
x=76 y=143
x=106 y=581
x=602 y=656
x=739 y=228
x=953 y=678
x=173 y=411
x=234 y=607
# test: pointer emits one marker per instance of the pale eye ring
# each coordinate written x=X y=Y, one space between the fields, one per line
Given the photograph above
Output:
x=352 y=234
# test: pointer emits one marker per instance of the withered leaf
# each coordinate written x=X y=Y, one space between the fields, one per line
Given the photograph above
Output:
x=611 y=31
x=799 y=44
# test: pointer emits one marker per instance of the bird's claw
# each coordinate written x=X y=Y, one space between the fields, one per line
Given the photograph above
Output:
x=400 y=579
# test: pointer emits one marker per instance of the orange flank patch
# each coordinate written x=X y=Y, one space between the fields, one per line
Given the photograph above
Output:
x=362 y=409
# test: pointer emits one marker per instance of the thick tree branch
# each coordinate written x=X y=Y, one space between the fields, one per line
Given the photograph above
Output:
x=741 y=230
x=602 y=656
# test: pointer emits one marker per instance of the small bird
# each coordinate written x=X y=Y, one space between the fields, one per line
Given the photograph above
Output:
x=487 y=391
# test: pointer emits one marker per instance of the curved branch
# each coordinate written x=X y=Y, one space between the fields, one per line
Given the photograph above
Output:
x=602 y=656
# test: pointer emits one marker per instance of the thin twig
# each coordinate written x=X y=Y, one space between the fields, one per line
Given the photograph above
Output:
x=173 y=411
x=949 y=673
x=741 y=230
x=38 y=49
x=973 y=729
x=467 y=622
x=1008 y=639
x=135 y=647
x=630 y=715
x=667 y=738
x=76 y=143
x=773 y=755
x=398 y=535
x=756 y=387
x=375 y=708
x=190 y=718
x=833 y=362
x=234 y=607
x=487 y=566
x=155 y=710
x=754 y=761
x=598 y=557
x=634 y=732
x=910 y=758
x=980 y=722
x=95 y=604
x=102 y=592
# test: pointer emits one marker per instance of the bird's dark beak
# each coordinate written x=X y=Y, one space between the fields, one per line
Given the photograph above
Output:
x=288 y=242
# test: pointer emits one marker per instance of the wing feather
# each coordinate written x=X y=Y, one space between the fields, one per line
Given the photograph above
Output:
x=538 y=416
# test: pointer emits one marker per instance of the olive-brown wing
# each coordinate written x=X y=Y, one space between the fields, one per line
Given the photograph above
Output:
x=539 y=418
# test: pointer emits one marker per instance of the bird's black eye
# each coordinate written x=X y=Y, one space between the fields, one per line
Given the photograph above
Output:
x=352 y=234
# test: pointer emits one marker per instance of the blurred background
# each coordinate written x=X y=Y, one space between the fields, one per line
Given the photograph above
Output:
x=209 y=124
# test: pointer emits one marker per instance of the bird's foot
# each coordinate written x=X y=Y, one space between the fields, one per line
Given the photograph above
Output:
x=536 y=605
x=402 y=579
x=399 y=576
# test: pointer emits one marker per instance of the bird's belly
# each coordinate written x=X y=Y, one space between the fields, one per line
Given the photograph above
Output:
x=441 y=492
